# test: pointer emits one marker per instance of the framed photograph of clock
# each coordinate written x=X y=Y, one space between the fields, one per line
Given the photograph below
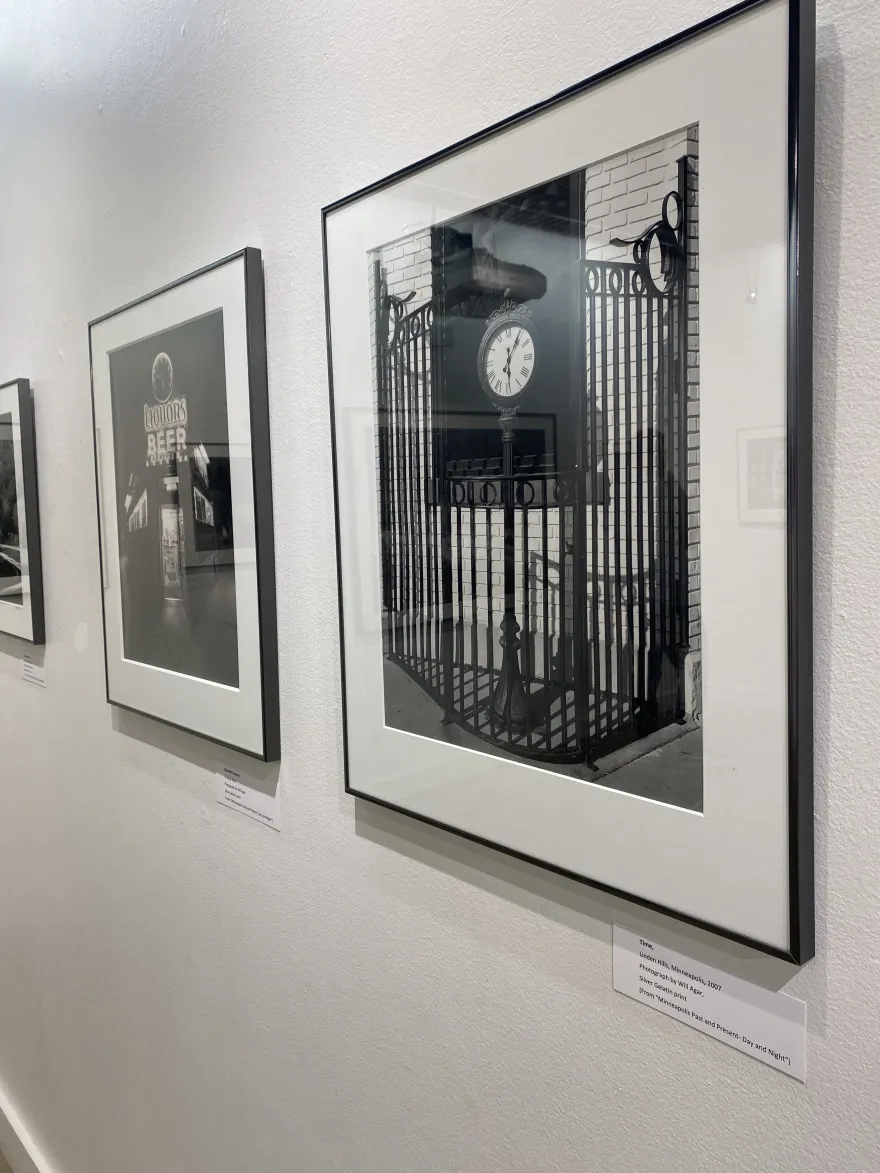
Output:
x=550 y=346
x=21 y=565
x=183 y=467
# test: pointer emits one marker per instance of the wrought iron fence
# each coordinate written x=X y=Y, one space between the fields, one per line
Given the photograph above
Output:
x=592 y=561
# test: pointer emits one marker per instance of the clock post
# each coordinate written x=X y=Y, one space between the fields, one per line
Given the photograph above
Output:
x=509 y=703
x=506 y=363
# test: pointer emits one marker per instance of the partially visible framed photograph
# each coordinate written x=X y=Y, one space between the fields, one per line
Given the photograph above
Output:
x=21 y=567
x=570 y=361
x=183 y=468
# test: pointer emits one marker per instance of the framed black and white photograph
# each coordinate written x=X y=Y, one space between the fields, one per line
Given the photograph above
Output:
x=21 y=568
x=181 y=415
x=570 y=366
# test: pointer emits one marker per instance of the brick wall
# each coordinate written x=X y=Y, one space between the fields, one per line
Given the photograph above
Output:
x=624 y=197
x=407 y=266
x=693 y=391
x=624 y=194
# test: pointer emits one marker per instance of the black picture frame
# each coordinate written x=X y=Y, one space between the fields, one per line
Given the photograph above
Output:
x=24 y=401
x=261 y=475
x=800 y=173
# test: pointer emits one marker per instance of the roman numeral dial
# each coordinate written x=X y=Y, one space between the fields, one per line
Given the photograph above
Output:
x=507 y=359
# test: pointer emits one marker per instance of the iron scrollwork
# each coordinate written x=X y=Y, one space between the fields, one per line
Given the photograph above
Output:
x=667 y=238
x=392 y=313
x=397 y=325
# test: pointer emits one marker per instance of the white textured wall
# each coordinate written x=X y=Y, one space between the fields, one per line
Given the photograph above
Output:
x=182 y=990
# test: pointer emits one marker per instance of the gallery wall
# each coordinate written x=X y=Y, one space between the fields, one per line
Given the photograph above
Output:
x=182 y=989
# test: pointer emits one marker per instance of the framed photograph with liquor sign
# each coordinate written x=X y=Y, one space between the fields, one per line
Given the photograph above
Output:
x=556 y=352
x=21 y=566
x=183 y=468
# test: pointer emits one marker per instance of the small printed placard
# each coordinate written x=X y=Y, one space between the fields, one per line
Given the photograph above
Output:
x=768 y=1025
x=33 y=672
x=230 y=789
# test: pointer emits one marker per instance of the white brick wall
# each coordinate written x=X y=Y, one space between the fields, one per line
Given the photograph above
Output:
x=624 y=196
x=407 y=267
x=693 y=391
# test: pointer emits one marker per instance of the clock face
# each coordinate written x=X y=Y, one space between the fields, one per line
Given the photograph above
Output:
x=507 y=360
